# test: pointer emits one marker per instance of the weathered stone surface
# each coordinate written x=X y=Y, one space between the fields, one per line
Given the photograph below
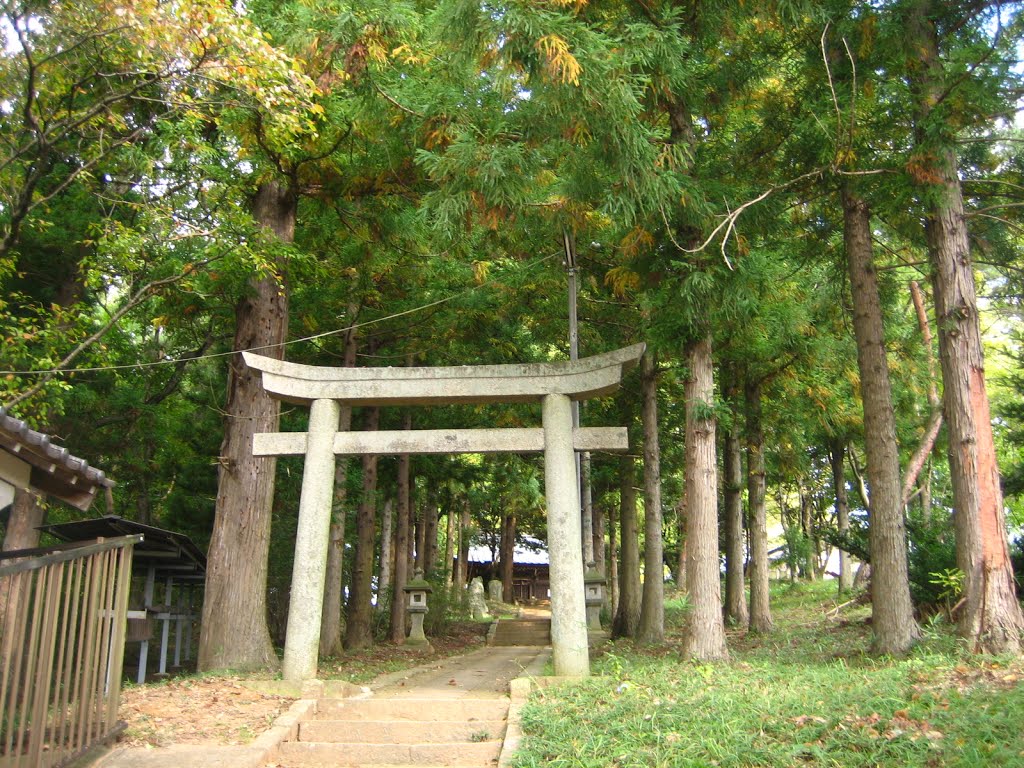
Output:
x=477 y=604
x=494 y=591
x=311 y=541
x=528 y=382
x=568 y=612
x=394 y=442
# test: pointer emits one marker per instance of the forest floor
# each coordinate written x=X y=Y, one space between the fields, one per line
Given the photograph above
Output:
x=218 y=709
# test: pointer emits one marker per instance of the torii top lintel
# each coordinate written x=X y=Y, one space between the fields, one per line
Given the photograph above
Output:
x=527 y=382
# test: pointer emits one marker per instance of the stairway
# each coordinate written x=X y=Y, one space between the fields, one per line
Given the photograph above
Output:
x=400 y=732
x=534 y=632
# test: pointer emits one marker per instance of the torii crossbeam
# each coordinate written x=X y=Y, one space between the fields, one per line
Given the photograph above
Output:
x=554 y=385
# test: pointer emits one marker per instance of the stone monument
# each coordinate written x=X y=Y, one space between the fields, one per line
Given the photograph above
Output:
x=494 y=590
x=477 y=604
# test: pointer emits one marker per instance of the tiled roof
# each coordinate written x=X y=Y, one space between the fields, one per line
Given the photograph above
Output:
x=54 y=470
x=169 y=553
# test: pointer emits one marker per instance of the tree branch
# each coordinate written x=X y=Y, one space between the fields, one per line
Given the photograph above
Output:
x=141 y=295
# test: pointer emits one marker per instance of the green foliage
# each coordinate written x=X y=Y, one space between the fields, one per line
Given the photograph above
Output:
x=932 y=561
x=950 y=583
x=798 y=548
x=443 y=609
x=808 y=694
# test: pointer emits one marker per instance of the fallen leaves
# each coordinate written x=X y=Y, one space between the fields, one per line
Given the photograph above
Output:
x=209 y=710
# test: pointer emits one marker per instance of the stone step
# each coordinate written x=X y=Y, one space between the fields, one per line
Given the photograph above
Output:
x=296 y=754
x=401 y=731
x=521 y=641
x=522 y=632
x=429 y=710
x=544 y=624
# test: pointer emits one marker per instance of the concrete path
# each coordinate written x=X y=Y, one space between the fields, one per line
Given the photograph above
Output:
x=483 y=673
x=452 y=713
x=449 y=712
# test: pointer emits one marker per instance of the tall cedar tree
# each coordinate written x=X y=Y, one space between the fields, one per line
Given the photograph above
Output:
x=234 y=631
x=991 y=614
x=892 y=614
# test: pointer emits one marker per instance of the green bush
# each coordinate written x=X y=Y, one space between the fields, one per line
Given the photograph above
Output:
x=932 y=553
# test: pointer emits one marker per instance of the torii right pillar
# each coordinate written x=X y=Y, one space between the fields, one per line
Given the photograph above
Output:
x=568 y=610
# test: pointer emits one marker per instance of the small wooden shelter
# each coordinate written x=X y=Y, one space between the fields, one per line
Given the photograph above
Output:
x=163 y=559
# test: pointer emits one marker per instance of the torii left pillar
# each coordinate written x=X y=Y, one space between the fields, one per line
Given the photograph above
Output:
x=305 y=609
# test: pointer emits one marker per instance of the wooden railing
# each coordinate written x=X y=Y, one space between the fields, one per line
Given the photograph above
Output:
x=62 y=626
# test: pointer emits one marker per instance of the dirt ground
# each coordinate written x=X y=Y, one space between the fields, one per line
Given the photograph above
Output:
x=196 y=710
x=221 y=710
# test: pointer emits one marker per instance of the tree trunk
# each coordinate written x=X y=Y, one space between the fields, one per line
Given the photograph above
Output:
x=652 y=611
x=892 y=613
x=396 y=629
x=449 y=546
x=462 y=575
x=420 y=562
x=991 y=614
x=358 y=627
x=627 y=614
x=681 y=538
x=27 y=512
x=837 y=457
x=925 y=483
x=334 y=588
x=706 y=637
x=384 y=595
x=811 y=551
x=760 y=605
x=735 y=542
x=600 y=558
x=613 y=562
x=508 y=543
x=587 y=506
x=430 y=545
x=234 y=632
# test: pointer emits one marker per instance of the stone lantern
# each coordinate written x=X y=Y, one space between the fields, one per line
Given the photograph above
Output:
x=593 y=591
x=417 y=590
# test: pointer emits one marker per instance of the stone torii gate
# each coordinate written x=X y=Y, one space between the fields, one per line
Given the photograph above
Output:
x=554 y=385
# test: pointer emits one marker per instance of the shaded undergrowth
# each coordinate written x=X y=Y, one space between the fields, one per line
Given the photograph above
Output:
x=806 y=694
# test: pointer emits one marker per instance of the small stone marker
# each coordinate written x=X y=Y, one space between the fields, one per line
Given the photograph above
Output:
x=494 y=590
x=477 y=605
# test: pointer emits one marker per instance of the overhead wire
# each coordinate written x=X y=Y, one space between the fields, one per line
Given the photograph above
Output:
x=304 y=339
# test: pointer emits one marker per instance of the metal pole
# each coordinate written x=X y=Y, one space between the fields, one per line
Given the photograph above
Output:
x=572 y=267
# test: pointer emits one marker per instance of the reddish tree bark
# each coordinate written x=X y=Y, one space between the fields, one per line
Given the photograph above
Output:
x=991 y=614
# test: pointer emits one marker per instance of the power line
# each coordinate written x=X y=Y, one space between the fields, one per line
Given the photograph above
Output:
x=314 y=337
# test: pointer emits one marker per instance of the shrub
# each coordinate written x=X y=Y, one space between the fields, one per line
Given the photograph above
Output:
x=932 y=553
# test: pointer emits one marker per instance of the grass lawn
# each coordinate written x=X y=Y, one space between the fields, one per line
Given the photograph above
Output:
x=807 y=694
